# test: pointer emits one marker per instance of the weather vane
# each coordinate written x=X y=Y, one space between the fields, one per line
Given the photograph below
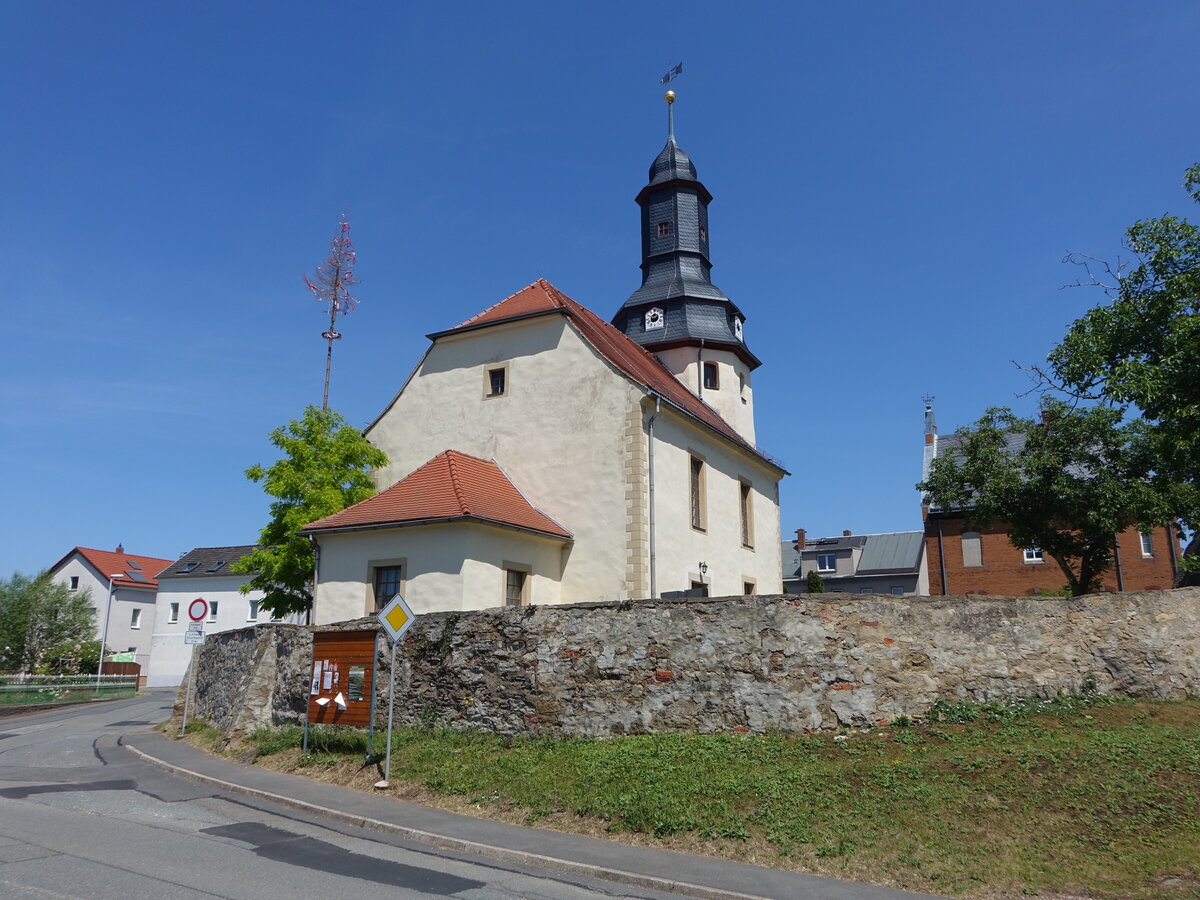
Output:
x=333 y=281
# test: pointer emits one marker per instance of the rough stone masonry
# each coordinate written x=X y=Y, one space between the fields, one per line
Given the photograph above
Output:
x=791 y=663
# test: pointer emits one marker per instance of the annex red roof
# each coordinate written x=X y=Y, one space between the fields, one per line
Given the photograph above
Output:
x=627 y=355
x=137 y=571
x=452 y=485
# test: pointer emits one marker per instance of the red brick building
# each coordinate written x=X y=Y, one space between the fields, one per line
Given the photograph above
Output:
x=966 y=561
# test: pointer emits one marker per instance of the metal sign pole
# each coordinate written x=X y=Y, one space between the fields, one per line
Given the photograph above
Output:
x=187 y=696
x=371 y=724
x=387 y=767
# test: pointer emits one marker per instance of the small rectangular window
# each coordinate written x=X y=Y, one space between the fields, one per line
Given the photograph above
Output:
x=216 y=567
x=212 y=610
x=514 y=587
x=898 y=591
x=746 y=508
x=749 y=589
x=827 y=562
x=387 y=584
x=135 y=618
x=174 y=614
x=252 y=613
x=699 y=589
x=1034 y=555
x=1147 y=544
x=865 y=591
x=972 y=551
x=495 y=380
x=664 y=229
x=74 y=582
x=712 y=377
x=696 y=488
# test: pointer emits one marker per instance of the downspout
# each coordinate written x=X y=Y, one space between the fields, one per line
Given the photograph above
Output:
x=312 y=539
x=650 y=439
x=1117 y=556
x=941 y=557
x=700 y=370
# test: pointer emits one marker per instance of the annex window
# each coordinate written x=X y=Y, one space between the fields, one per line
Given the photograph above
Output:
x=497 y=381
x=712 y=377
x=74 y=582
x=212 y=610
x=387 y=584
x=749 y=588
x=252 y=611
x=746 y=510
x=865 y=591
x=664 y=229
x=515 y=582
x=174 y=614
x=972 y=550
x=696 y=487
x=1033 y=555
x=1147 y=544
x=827 y=562
x=135 y=618
x=898 y=591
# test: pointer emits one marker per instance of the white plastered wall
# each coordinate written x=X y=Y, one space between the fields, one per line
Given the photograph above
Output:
x=558 y=433
x=734 y=397
x=679 y=547
x=446 y=567
x=169 y=655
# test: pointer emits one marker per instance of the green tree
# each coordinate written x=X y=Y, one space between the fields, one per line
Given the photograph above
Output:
x=325 y=467
x=1067 y=484
x=814 y=583
x=1142 y=348
x=42 y=622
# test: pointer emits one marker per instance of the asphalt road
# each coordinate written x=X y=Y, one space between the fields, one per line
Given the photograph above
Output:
x=82 y=817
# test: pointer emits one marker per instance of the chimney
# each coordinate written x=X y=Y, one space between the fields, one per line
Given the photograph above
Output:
x=801 y=534
x=847 y=533
x=120 y=548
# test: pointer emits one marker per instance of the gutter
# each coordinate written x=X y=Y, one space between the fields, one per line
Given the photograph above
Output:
x=942 y=557
x=442 y=520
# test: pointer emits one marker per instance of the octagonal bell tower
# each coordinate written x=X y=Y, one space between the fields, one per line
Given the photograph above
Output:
x=678 y=314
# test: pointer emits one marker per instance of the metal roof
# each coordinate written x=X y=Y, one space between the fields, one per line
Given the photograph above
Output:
x=892 y=552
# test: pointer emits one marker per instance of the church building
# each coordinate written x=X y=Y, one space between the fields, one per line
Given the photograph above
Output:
x=540 y=454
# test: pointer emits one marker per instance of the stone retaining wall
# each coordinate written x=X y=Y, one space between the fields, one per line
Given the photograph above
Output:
x=790 y=663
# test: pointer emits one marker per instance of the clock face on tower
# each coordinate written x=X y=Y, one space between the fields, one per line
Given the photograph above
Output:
x=654 y=319
x=737 y=328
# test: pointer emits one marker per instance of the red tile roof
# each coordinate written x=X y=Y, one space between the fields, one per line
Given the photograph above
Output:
x=452 y=485
x=627 y=355
x=109 y=562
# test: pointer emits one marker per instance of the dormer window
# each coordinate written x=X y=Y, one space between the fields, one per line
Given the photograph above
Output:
x=664 y=229
x=655 y=319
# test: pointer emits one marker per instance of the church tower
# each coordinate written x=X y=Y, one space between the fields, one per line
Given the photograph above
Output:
x=678 y=314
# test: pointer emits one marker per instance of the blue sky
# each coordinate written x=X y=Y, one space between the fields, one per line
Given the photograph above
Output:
x=895 y=187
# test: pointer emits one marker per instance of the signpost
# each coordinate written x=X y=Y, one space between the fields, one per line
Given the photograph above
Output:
x=197 y=611
x=396 y=618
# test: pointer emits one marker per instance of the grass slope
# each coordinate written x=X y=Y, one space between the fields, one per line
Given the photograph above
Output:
x=1086 y=796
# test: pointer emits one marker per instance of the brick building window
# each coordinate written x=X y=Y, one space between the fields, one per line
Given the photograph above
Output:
x=1034 y=555
x=1147 y=544
x=972 y=551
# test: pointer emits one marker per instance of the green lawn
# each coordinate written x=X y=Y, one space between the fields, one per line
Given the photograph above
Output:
x=1081 y=795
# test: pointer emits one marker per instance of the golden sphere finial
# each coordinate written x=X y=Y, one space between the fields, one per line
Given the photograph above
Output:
x=670 y=96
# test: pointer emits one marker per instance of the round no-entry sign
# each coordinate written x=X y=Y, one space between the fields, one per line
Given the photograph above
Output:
x=197 y=609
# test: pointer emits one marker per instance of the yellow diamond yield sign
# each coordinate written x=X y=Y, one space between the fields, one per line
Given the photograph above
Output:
x=396 y=618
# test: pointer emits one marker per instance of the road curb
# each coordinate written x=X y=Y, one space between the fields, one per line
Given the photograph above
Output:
x=445 y=842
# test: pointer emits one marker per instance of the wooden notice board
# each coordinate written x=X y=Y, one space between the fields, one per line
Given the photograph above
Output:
x=343 y=664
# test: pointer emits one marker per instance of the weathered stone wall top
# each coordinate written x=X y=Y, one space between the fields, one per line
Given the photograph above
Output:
x=791 y=663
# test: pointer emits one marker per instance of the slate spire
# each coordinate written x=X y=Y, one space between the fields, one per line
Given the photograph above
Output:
x=677 y=303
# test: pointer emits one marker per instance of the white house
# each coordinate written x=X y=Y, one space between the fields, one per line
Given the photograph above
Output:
x=539 y=454
x=201 y=574
x=133 y=583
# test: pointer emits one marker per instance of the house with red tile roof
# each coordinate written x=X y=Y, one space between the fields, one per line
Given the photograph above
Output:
x=541 y=454
x=133 y=583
